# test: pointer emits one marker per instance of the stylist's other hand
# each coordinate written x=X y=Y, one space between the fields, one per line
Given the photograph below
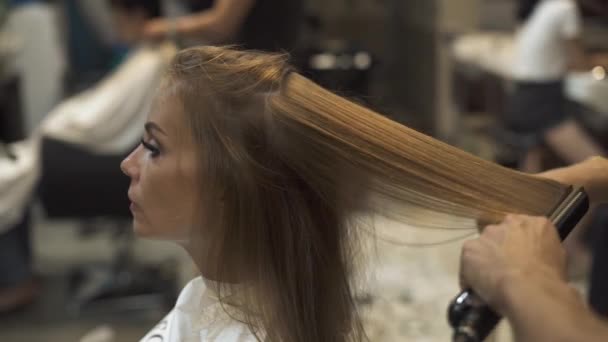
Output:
x=520 y=250
x=155 y=29
x=592 y=174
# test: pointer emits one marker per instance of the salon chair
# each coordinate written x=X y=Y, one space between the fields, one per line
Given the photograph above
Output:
x=11 y=121
x=12 y=130
x=89 y=187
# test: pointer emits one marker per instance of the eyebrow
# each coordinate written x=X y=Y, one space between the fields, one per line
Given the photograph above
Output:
x=151 y=126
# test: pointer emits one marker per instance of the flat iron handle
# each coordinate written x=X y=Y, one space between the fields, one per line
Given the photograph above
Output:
x=473 y=320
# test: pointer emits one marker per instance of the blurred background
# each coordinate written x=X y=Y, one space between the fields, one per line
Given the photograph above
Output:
x=76 y=77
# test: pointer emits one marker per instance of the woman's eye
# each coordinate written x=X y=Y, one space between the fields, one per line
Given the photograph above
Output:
x=154 y=151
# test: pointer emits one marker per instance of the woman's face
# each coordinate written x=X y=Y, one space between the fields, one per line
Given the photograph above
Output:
x=164 y=184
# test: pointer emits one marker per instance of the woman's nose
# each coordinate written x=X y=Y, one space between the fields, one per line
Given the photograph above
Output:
x=129 y=165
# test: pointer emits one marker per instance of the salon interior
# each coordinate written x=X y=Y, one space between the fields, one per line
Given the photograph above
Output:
x=74 y=90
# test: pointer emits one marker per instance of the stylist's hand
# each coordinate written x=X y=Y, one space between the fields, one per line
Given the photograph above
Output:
x=155 y=29
x=591 y=174
x=520 y=249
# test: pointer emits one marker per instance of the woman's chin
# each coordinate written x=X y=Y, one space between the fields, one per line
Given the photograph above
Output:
x=141 y=230
x=144 y=231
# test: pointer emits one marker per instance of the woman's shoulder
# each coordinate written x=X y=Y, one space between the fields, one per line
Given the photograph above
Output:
x=194 y=288
x=171 y=329
x=198 y=316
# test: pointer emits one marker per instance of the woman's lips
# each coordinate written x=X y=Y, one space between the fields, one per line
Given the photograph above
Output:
x=133 y=207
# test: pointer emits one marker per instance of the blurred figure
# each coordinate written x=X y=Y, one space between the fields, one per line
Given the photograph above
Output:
x=547 y=47
x=269 y=25
x=37 y=65
x=74 y=125
x=130 y=17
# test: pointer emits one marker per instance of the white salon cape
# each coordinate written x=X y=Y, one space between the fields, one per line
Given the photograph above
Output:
x=198 y=316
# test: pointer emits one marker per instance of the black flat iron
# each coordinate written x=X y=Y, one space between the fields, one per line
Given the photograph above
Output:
x=473 y=320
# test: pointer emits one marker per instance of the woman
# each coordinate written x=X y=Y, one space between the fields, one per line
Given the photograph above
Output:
x=547 y=47
x=262 y=176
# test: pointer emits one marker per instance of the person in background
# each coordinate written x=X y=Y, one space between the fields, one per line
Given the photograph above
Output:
x=19 y=285
x=37 y=67
x=131 y=16
x=270 y=25
x=547 y=47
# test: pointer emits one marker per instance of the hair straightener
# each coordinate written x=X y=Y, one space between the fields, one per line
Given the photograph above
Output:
x=471 y=319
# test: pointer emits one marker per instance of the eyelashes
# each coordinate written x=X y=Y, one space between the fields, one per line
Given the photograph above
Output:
x=154 y=151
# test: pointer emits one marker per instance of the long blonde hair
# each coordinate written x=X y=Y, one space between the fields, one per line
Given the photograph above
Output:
x=285 y=164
